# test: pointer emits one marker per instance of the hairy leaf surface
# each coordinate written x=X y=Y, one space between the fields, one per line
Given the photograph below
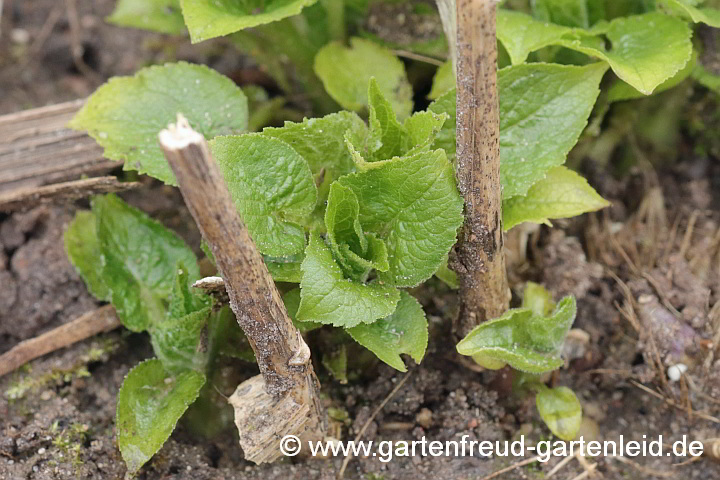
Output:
x=521 y=34
x=345 y=72
x=688 y=9
x=176 y=339
x=645 y=51
x=272 y=187
x=560 y=410
x=327 y=297
x=445 y=138
x=162 y=16
x=561 y=194
x=214 y=18
x=443 y=81
x=149 y=405
x=543 y=110
x=135 y=262
x=321 y=141
x=126 y=114
x=405 y=331
x=413 y=205
x=85 y=253
x=521 y=338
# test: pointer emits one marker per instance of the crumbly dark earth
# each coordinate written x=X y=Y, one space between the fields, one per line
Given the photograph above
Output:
x=645 y=272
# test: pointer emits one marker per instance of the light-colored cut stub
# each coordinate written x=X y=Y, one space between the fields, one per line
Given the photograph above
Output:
x=262 y=420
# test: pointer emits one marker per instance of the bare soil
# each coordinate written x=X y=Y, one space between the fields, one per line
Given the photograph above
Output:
x=645 y=273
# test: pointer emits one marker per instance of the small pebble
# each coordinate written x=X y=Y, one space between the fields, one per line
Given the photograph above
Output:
x=19 y=35
x=675 y=372
x=41 y=451
x=424 y=418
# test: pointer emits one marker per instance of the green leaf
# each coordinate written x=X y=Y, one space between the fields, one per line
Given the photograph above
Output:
x=413 y=205
x=405 y=331
x=561 y=194
x=345 y=72
x=547 y=333
x=522 y=34
x=83 y=249
x=687 y=9
x=571 y=13
x=184 y=298
x=285 y=269
x=389 y=138
x=445 y=139
x=126 y=114
x=342 y=220
x=328 y=298
x=292 y=302
x=560 y=410
x=139 y=258
x=521 y=338
x=376 y=258
x=706 y=78
x=227 y=338
x=214 y=18
x=647 y=49
x=177 y=341
x=356 y=252
x=443 y=81
x=423 y=128
x=385 y=130
x=272 y=187
x=347 y=240
x=543 y=110
x=286 y=50
x=321 y=141
x=149 y=405
x=538 y=299
x=620 y=90
x=336 y=363
x=447 y=276
x=162 y=16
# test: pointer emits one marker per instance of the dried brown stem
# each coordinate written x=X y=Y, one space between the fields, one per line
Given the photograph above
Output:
x=87 y=325
x=285 y=400
x=27 y=198
x=36 y=148
x=479 y=260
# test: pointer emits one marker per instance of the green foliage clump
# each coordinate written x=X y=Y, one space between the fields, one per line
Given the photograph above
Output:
x=146 y=271
x=530 y=339
x=352 y=208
